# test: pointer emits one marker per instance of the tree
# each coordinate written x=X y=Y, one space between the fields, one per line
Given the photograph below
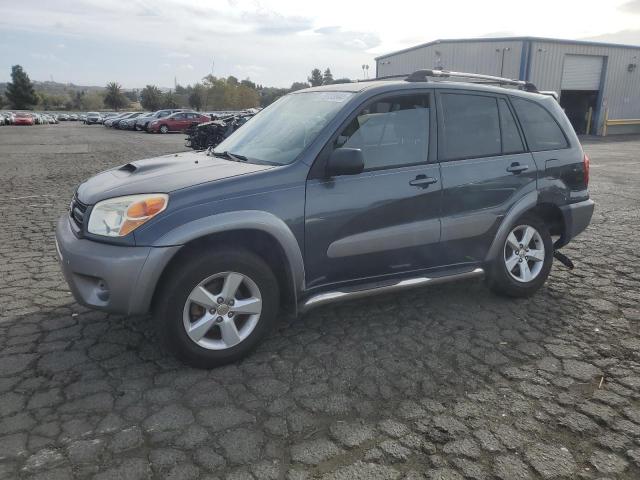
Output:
x=299 y=86
x=197 y=96
x=342 y=80
x=92 y=101
x=114 y=97
x=20 y=92
x=327 y=77
x=151 y=98
x=169 y=100
x=316 y=78
x=132 y=95
x=248 y=83
x=180 y=90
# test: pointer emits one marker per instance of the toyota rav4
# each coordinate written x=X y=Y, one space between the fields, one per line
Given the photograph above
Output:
x=331 y=193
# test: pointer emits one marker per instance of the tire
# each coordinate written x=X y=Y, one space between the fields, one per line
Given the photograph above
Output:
x=516 y=282
x=164 y=129
x=176 y=310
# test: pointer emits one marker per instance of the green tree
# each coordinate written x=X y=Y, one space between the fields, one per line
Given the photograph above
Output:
x=299 y=86
x=327 y=77
x=76 y=100
x=151 y=98
x=92 y=101
x=114 y=97
x=180 y=90
x=316 y=78
x=132 y=95
x=169 y=100
x=197 y=97
x=20 y=92
x=342 y=80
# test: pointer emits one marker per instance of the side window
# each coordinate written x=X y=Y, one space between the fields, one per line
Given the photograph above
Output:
x=471 y=127
x=540 y=128
x=391 y=132
x=178 y=116
x=511 y=141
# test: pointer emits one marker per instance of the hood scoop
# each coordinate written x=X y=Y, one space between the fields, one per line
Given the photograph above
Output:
x=146 y=166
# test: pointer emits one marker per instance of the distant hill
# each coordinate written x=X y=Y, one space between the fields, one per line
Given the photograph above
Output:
x=57 y=88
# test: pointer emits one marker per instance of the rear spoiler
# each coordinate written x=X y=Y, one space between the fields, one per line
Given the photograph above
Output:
x=551 y=93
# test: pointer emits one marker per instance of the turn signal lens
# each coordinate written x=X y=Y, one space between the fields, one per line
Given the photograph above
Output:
x=140 y=212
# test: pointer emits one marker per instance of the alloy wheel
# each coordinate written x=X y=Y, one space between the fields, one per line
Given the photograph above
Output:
x=524 y=253
x=222 y=310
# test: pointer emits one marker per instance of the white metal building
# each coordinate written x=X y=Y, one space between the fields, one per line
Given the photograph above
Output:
x=595 y=80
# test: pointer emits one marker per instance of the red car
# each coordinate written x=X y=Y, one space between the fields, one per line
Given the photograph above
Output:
x=23 y=119
x=177 y=122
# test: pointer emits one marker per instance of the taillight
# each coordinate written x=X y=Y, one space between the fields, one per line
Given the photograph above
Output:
x=586 y=162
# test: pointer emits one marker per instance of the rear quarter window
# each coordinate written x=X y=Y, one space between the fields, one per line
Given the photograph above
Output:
x=540 y=128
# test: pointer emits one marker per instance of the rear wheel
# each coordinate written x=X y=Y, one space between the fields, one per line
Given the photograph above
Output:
x=217 y=307
x=525 y=259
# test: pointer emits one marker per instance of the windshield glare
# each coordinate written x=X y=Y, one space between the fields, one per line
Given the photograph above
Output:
x=280 y=132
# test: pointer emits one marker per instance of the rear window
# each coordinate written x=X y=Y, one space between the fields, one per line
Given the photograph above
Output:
x=471 y=127
x=540 y=128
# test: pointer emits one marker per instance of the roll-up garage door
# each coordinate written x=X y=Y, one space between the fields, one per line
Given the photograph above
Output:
x=581 y=72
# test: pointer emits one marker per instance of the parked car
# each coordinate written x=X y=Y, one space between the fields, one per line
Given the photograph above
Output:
x=177 y=122
x=63 y=117
x=73 y=117
x=24 y=119
x=109 y=121
x=9 y=118
x=93 y=118
x=331 y=193
x=128 y=123
x=142 y=122
x=82 y=117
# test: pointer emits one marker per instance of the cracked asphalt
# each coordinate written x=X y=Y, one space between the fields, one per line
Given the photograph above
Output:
x=449 y=382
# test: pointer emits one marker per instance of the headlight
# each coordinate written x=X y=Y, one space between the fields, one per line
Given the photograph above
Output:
x=120 y=216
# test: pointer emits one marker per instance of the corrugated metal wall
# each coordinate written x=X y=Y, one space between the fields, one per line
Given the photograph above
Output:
x=478 y=57
x=621 y=88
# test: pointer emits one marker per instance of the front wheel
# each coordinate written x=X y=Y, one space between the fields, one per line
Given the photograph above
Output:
x=217 y=306
x=525 y=260
x=164 y=129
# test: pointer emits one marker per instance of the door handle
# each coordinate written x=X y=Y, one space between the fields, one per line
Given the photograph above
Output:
x=517 y=168
x=423 y=181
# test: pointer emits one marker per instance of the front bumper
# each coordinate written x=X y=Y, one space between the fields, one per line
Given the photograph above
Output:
x=114 y=278
x=577 y=217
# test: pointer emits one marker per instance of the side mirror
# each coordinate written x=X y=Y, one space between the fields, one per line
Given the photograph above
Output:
x=345 y=161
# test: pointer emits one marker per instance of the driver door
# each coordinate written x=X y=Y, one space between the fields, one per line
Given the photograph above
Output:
x=385 y=220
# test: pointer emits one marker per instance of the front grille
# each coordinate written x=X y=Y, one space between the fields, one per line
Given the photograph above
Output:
x=77 y=209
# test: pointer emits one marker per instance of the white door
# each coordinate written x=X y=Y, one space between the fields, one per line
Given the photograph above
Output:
x=582 y=72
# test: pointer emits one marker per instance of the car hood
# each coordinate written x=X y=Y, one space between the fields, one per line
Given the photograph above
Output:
x=162 y=175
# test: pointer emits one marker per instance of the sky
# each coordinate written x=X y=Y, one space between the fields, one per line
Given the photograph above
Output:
x=272 y=42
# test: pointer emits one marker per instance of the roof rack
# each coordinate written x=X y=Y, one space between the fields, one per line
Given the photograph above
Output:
x=421 y=76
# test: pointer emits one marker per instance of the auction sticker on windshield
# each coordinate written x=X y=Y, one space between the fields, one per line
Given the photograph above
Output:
x=332 y=96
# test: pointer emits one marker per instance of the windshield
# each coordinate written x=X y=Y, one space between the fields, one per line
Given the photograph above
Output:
x=280 y=132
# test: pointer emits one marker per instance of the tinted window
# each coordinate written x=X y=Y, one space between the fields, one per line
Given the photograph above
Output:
x=471 y=126
x=511 y=141
x=540 y=128
x=390 y=132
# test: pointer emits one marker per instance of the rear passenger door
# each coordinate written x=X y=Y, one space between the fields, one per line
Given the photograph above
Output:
x=485 y=169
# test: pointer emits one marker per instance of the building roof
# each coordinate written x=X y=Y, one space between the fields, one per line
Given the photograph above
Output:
x=508 y=39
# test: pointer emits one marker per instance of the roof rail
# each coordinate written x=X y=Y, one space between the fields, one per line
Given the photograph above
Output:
x=421 y=76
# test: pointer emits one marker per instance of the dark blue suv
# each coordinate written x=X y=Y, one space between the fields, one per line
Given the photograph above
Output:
x=331 y=193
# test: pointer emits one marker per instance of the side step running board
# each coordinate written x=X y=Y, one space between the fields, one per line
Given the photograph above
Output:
x=331 y=297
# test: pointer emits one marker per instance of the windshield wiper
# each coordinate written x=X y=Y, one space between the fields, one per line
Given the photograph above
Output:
x=230 y=156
